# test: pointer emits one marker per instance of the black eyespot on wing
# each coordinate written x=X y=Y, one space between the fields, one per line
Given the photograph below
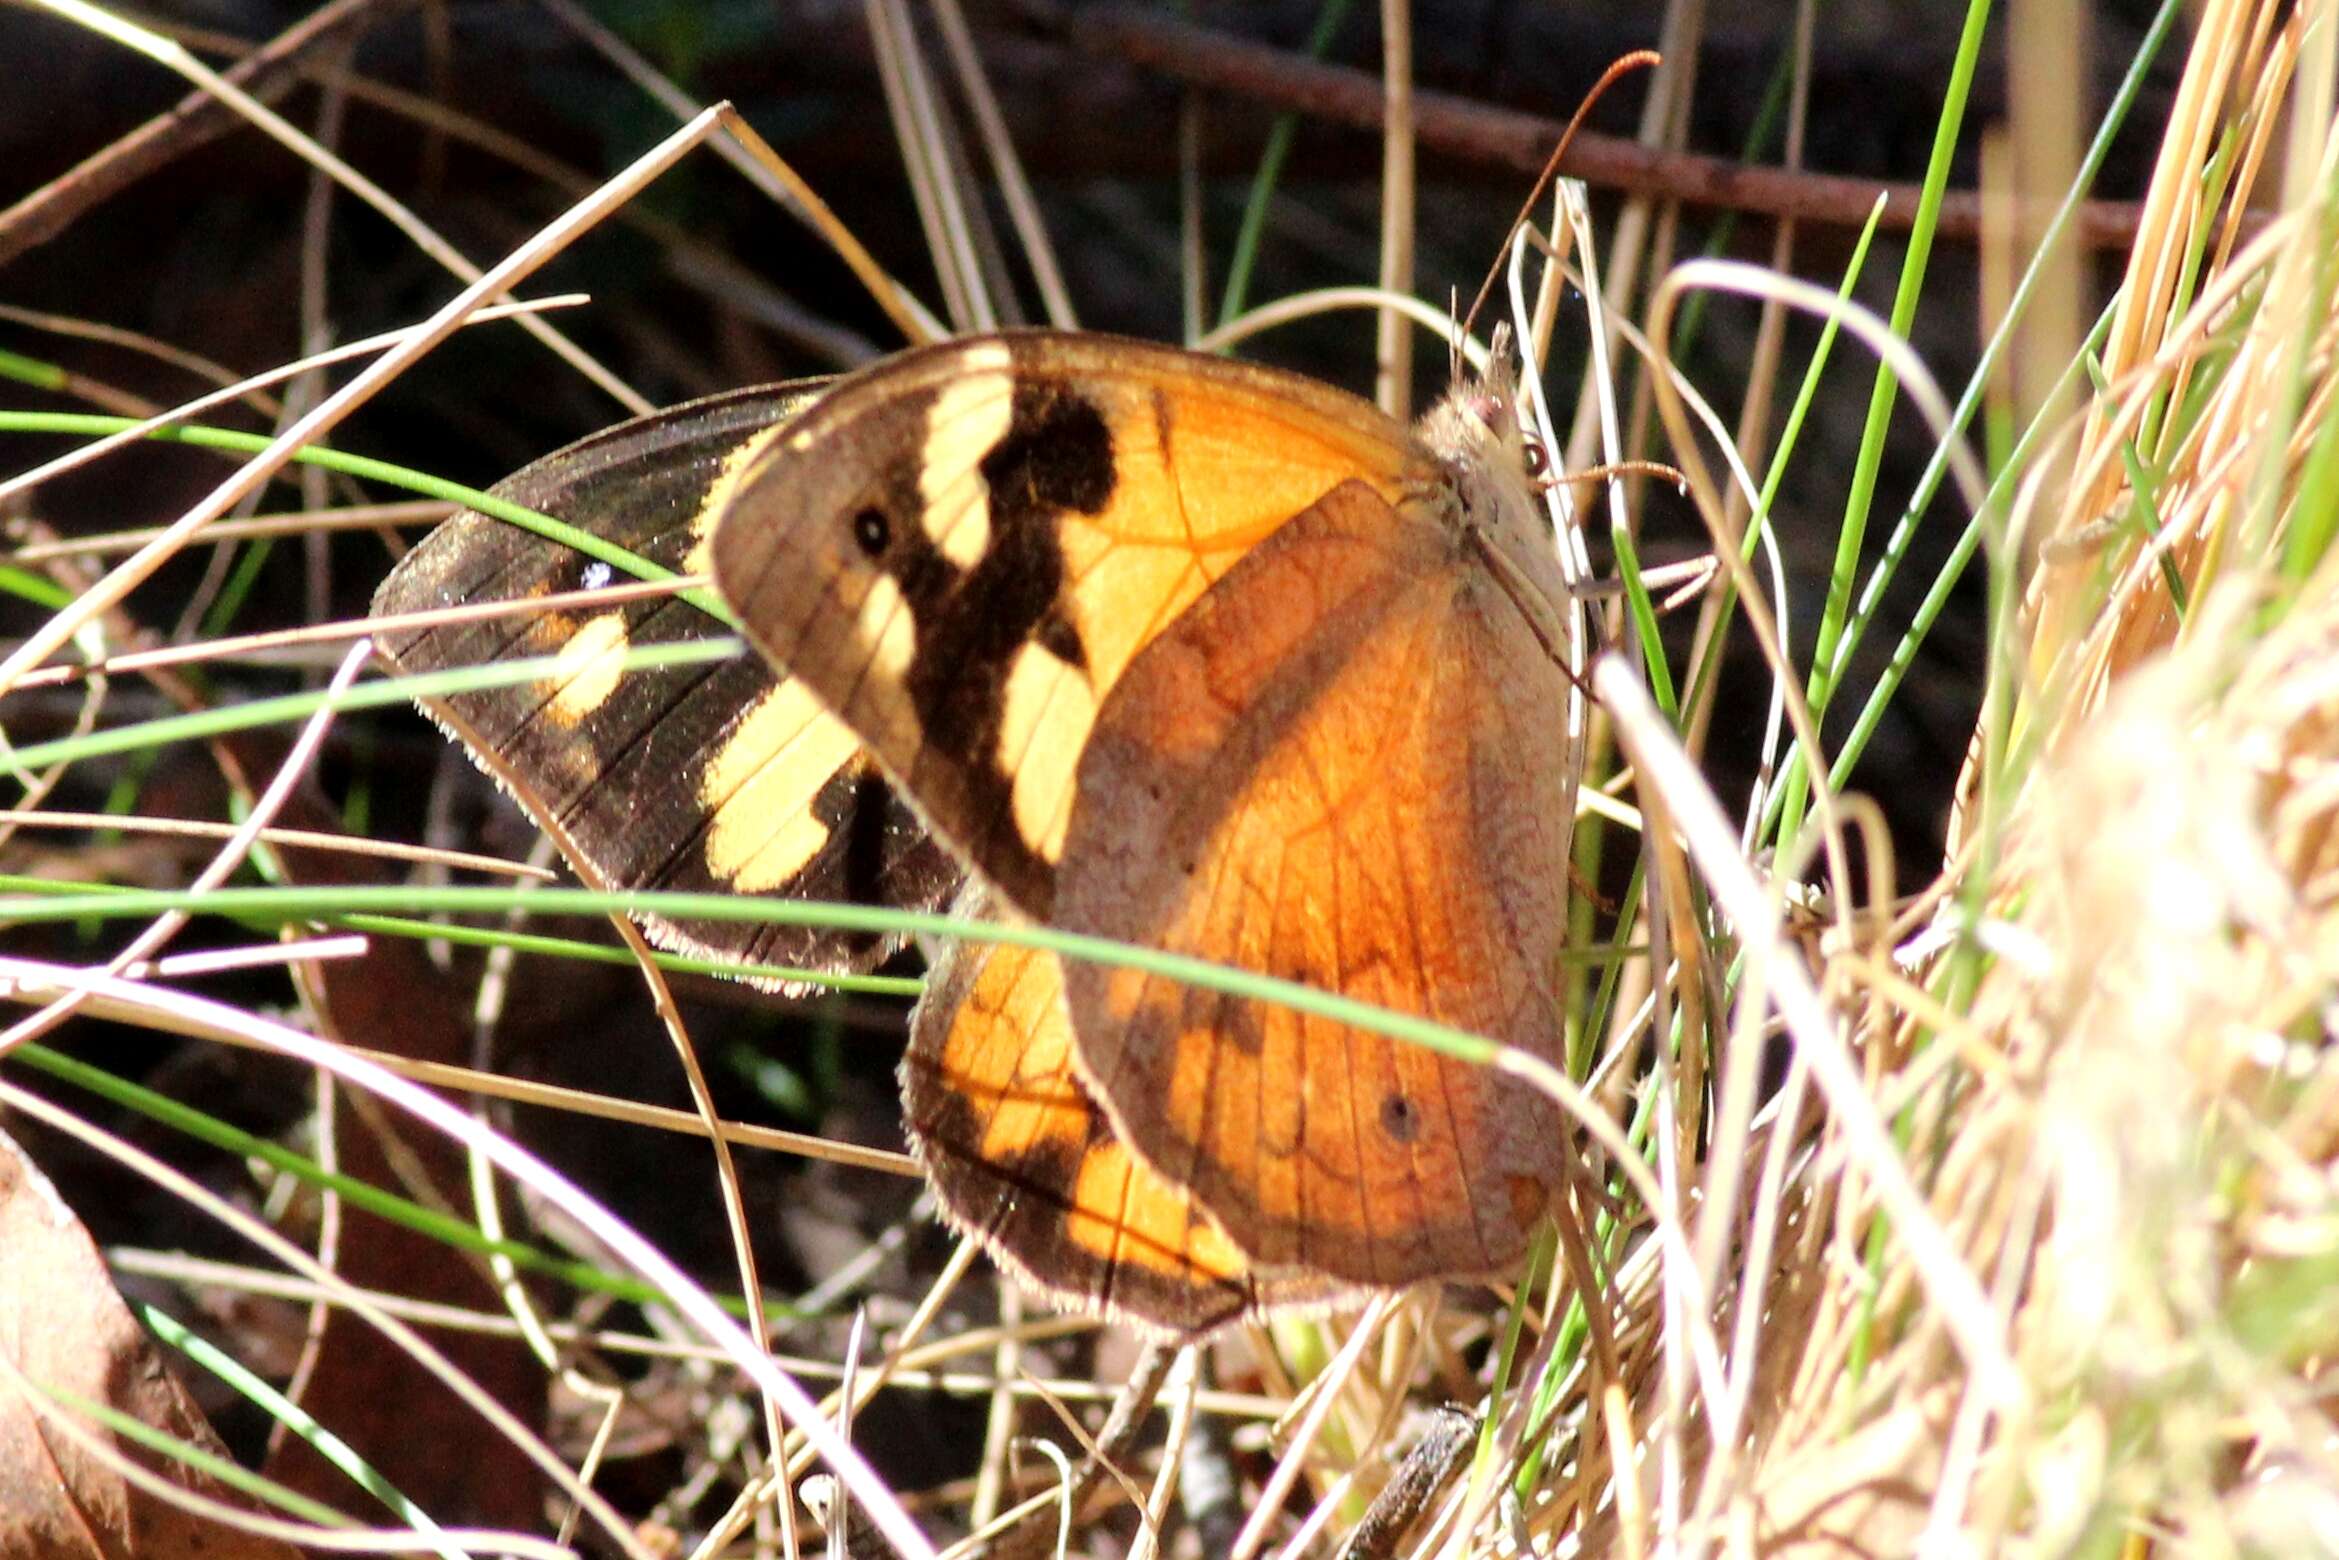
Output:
x=872 y=532
x=1400 y=1118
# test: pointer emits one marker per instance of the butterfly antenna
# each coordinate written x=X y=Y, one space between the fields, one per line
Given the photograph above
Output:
x=1636 y=60
x=1454 y=335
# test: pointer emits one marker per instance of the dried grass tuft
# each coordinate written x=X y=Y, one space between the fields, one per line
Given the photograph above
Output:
x=2114 y=1066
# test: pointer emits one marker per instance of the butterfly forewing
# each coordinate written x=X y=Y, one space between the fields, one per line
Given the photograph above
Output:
x=694 y=778
x=961 y=550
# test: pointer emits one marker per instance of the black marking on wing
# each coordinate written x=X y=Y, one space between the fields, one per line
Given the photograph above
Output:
x=972 y=622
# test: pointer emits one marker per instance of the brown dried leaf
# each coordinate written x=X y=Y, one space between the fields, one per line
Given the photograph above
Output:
x=63 y=1326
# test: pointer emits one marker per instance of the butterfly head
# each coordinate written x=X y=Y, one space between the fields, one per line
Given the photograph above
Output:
x=1491 y=463
x=1492 y=480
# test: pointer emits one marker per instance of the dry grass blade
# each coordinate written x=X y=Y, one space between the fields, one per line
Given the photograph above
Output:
x=2131 y=1154
x=690 y=1300
x=141 y=565
x=261 y=117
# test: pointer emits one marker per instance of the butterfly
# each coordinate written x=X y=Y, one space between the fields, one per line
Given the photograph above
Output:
x=1134 y=642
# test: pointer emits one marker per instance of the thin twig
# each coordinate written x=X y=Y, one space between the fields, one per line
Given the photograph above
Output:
x=309 y=839
x=1461 y=127
x=200 y=117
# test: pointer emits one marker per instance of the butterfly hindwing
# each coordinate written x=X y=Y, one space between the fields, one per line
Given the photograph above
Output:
x=1341 y=766
x=1019 y=1153
x=694 y=778
x=963 y=548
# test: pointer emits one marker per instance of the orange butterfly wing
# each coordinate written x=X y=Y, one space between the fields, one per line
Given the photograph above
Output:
x=1344 y=766
x=1000 y=561
x=961 y=549
x=1020 y=1156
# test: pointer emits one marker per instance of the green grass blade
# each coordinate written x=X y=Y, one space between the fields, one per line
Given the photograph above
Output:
x=335 y=1451
x=91 y=425
x=363 y=1195
x=1270 y=172
x=1903 y=536
x=202 y=724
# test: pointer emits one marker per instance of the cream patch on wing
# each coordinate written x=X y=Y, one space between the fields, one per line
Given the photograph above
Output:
x=888 y=630
x=760 y=788
x=730 y=477
x=1043 y=726
x=587 y=670
x=968 y=418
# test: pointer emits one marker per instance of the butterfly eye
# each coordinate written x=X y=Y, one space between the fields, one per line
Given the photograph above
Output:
x=1537 y=462
x=871 y=531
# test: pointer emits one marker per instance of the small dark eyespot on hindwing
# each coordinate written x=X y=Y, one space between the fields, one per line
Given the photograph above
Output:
x=872 y=532
x=1400 y=1118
